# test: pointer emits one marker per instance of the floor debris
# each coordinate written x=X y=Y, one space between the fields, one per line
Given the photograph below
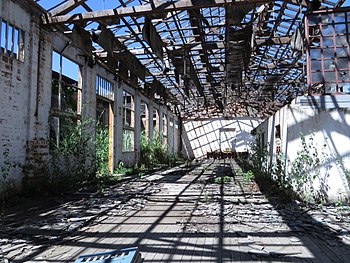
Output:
x=168 y=214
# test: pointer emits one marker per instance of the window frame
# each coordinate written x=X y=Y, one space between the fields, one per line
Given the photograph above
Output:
x=11 y=40
x=128 y=128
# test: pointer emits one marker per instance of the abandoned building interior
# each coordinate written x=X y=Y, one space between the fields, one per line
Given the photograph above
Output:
x=174 y=131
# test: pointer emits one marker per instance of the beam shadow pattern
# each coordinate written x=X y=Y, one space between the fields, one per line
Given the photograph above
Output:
x=195 y=219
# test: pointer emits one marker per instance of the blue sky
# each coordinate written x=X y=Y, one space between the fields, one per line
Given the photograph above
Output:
x=69 y=68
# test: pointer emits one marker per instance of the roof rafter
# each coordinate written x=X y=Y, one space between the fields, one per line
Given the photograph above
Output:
x=141 y=10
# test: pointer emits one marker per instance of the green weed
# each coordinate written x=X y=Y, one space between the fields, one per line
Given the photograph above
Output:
x=102 y=149
x=247 y=176
x=222 y=179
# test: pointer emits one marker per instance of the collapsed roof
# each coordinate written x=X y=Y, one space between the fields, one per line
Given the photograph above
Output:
x=204 y=57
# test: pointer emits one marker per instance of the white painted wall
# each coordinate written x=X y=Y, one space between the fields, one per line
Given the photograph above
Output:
x=325 y=119
x=208 y=135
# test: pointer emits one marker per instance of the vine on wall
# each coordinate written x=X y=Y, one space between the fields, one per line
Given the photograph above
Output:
x=306 y=170
x=307 y=174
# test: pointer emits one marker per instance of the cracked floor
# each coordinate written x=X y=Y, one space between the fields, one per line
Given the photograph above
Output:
x=180 y=215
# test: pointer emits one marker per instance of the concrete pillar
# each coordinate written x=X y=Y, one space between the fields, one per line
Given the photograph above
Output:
x=111 y=140
x=166 y=124
x=171 y=132
x=176 y=135
x=87 y=82
x=160 y=119
x=150 y=120
x=137 y=125
x=118 y=123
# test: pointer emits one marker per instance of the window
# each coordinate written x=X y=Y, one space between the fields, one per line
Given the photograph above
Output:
x=128 y=122
x=156 y=122
x=144 y=119
x=328 y=38
x=11 y=40
x=104 y=88
x=65 y=96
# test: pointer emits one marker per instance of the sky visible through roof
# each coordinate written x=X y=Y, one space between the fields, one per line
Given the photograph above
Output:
x=69 y=68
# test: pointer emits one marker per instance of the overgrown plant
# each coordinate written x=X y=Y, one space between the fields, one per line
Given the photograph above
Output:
x=121 y=169
x=306 y=168
x=300 y=175
x=258 y=156
x=154 y=152
x=73 y=157
x=6 y=185
x=278 y=170
x=345 y=170
x=102 y=149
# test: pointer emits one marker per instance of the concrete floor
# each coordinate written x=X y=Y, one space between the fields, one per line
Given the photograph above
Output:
x=190 y=218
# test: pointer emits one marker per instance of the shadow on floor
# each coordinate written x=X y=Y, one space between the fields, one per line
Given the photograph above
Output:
x=193 y=219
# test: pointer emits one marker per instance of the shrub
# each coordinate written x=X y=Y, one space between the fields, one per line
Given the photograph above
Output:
x=154 y=152
x=102 y=149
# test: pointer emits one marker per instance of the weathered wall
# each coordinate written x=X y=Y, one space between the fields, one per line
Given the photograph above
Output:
x=327 y=121
x=24 y=98
x=208 y=135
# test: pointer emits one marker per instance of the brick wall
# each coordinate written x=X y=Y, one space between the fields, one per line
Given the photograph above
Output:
x=25 y=92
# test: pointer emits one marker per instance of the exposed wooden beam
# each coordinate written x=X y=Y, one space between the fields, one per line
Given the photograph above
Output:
x=141 y=10
x=67 y=7
x=273 y=41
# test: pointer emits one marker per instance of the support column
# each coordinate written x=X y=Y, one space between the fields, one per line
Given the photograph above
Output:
x=111 y=140
x=160 y=119
x=166 y=113
x=137 y=126
x=87 y=82
x=171 y=132
x=150 y=120
x=176 y=135
x=118 y=123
